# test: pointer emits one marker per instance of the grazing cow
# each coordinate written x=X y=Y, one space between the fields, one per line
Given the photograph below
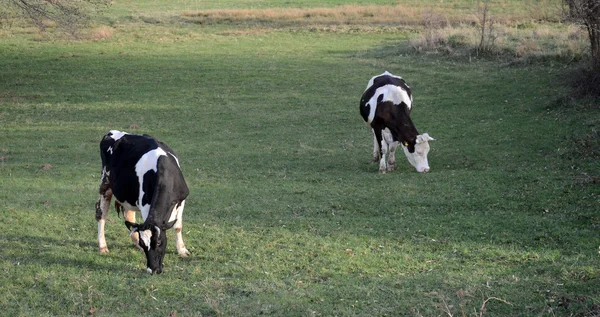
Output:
x=143 y=175
x=385 y=106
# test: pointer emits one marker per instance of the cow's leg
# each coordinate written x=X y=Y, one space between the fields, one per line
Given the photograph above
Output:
x=391 y=153
x=392 y=156
x=129 y=216
x=383 y=146
x=178 y=212
x=375 y=148
x=384 y=154
x=102 y=206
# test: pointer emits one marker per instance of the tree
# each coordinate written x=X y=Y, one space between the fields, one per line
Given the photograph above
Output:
x=69 y=15
x=486 y=43
x=587 y=13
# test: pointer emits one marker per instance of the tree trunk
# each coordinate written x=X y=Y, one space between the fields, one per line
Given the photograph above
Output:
x=594 y=31
x=595 y=46
x=587 y=13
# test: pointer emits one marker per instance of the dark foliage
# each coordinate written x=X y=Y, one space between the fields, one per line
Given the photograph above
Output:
x=587 y=83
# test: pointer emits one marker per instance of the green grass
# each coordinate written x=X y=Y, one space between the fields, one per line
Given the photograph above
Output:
x=286 y=215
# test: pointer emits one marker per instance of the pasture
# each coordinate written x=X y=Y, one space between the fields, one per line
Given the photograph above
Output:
x=286 y=215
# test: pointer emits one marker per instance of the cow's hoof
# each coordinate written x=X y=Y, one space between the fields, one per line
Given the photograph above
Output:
x=184 y=253
x=391 y=167
x=382 y=171
x=103 y=250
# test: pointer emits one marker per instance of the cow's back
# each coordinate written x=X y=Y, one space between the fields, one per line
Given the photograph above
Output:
x=119 y=158
x=383 y=88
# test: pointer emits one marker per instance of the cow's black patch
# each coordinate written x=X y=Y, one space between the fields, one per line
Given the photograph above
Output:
x=148 y=184
x=364 y=112
x=397 y=119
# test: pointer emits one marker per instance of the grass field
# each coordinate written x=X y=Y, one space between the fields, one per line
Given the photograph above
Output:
x=286 y=215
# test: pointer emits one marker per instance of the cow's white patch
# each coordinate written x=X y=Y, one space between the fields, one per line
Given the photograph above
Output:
x=147 y=162
x=145 y=236
x=177 y=211
x=116 y=134
x=391 y=93
x=110 y=150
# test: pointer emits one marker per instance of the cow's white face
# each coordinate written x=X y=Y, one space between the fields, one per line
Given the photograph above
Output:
x=418 y=159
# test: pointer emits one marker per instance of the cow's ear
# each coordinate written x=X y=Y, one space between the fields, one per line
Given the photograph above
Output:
x=424 y=138
x=130 y=225
x=427 y=137
x=169 y=225
x=155 y=241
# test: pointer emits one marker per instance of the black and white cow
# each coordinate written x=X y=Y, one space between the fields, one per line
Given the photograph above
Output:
x=143 y=175
x=385 y=106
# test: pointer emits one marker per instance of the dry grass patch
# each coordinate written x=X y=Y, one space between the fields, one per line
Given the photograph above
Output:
x=413 y=14
x=527 y=46
x=101 y=32
x=245 y=32
x=339 y=15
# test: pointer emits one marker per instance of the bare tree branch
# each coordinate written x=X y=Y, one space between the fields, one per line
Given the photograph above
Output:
x=69 y=15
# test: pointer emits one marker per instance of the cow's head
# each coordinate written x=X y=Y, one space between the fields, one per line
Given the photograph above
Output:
x=418 y=158
x=153 y=240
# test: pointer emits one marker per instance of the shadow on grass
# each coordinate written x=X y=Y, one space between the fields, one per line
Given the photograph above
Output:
x=47 y=251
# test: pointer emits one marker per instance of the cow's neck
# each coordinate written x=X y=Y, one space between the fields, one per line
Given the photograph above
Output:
x=402 y=127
